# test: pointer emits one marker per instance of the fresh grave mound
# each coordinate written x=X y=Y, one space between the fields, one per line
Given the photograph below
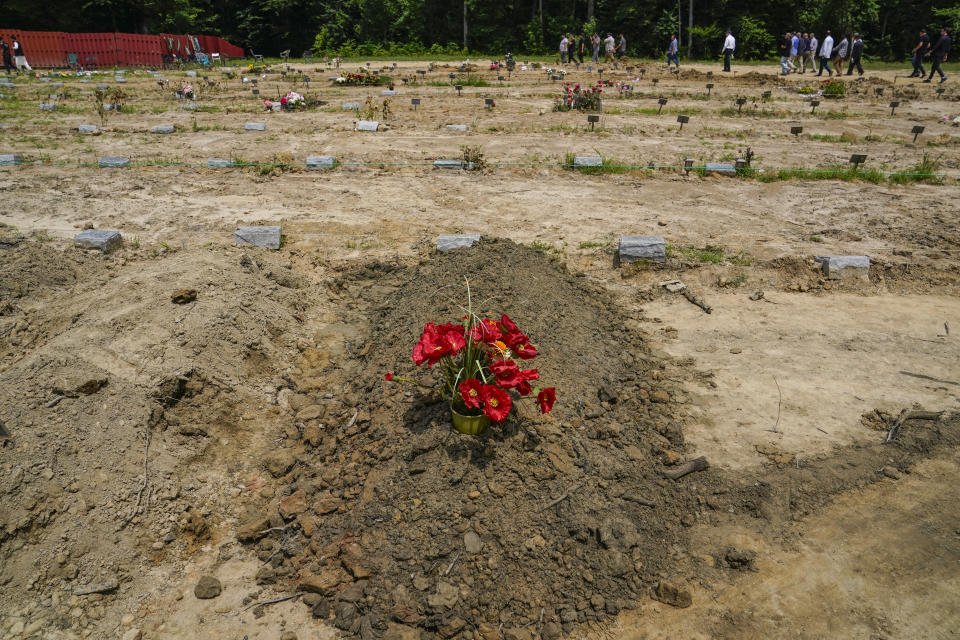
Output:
x=534 y=526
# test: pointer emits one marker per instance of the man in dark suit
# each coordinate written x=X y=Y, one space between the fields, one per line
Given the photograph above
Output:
x=938 y=55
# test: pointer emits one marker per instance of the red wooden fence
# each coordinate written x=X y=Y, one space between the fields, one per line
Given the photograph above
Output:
x=52 y=48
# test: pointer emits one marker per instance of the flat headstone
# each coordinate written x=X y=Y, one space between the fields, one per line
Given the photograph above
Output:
x=448 y=241
x=107 y=106
x=114 y=162
x=220 y=163
x=120 y=80
x=633 y=248
x=457 y=127
x=367 y=125
x=105 y=241
x=321 y=162
x=350 y=106
x=447 y=164
x=56 y=84
x=103 y=86
x=388 y=92
x=255 y=126
x=48 y=107
x=835 y=267
x=265 y=237
x=163 y=128
x=191 y=74
x=717 y=167
x=588 y=161
x=44 y=79
x=189 y=106
x=10 y=158
x=88 y=128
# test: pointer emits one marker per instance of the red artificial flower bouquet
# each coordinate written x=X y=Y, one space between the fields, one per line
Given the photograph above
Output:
x=478 y=363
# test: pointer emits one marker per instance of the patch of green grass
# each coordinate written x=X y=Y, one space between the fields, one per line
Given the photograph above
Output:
x=469 y=80
x=847 y=174
x=927 y=170
x=596 y=244
x=815 y=239
x=667 y=111
x=710 y=254
x=552 y=252
x=609 y=165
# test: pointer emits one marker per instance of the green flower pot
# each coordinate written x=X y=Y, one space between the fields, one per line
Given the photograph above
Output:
x=469 y=425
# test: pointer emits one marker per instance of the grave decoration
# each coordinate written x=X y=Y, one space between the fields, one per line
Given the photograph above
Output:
x=479 y=373
x=293 y=101
x=363 y=79
x=833 y=89
x=578 y=97
x=186 y=92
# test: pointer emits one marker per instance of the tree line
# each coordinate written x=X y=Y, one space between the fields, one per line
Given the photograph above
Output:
x=493 y=27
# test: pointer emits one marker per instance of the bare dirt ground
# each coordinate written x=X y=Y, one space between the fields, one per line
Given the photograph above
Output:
x=794 y=389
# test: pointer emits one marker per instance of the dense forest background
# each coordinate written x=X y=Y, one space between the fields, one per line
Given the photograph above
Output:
x=474 y=27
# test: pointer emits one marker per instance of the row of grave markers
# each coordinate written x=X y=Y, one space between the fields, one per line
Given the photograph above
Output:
x=630 y=249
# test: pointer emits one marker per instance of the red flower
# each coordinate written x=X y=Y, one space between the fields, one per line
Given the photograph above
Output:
x=452 y=335
x=431 y=346
x=507 y=373
x=388 y=377
x=472 y=393
x=507 y=325
x=524 y=350
x=486 y=331
x=496 y=403
x=546 y=398
x=524 y=388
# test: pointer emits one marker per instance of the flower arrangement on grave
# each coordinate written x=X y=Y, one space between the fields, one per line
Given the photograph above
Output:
x=554 y=72
x=805 y=91
x=362 y=79
x=624 y=88
x=257 y=68
x=293 y=101
x=578 y=97
x=479 y=366
x=187 y=91
x=833 y=88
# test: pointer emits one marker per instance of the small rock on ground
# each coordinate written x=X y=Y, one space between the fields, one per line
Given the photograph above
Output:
x=208 y=587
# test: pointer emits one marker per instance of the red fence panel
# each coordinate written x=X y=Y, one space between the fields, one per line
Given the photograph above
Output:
x=50 y=48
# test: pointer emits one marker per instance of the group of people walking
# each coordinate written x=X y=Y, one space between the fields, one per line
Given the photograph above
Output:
x=798 y=51
x=937 y=54
x=575 y=47
x=15 y=60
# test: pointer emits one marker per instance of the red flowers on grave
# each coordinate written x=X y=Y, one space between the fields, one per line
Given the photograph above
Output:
x=479 y=365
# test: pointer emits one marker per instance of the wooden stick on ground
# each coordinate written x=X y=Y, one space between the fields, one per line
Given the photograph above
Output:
x=696 y=301
x=563 y=496
x=697 y=464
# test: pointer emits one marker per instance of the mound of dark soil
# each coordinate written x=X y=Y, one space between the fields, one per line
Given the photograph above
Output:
x=532 y=527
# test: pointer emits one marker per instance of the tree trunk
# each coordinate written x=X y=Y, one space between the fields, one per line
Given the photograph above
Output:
x=690 y=33
x=464 y=24
x=590 y=9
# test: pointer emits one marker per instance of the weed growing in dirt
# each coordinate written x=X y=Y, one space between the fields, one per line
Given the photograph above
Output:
x=468 y=80
x=710 y=254
x=927 y=170
x=609 y=165
x=605 y=245
x=552 y=252
x=847 y=174
x=472 y=157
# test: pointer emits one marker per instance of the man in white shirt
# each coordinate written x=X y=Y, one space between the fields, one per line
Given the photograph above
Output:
x=729 y=44
x=564 y=43
x=609 y=45
x=826 y=50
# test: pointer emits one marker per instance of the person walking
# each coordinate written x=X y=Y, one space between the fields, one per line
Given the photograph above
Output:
x=802 y=52
x=826 y=50
x=938 y=55
x=783 y=50
x=19 y=57
x=919 y=53
x=564 y=43
x=672 y=49
x=580 y=46
x=794 y=51
x=856 y=52
x=595 y=43
x=841 y=52
x=7 y=58
x=608 y=46
x=729 y=45
x=812 y=52
x=622 y=47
